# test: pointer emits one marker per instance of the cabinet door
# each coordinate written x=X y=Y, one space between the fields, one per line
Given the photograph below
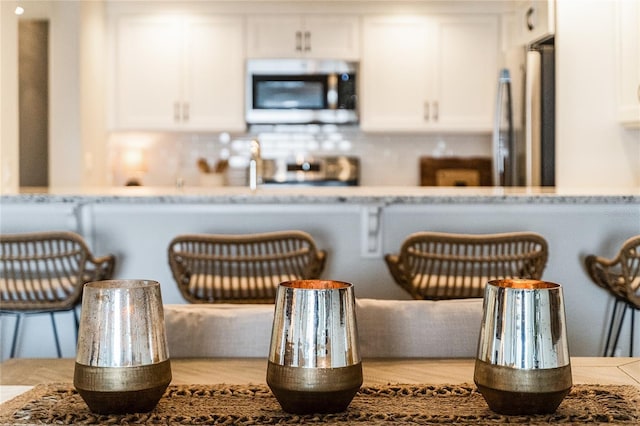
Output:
x=395 y=74
x=278 y=36
x=148 y=72
x=214 y=78
x=332 y=37
x=535 y=20
x=303 y=36
x=628 y=62
x=466 y=56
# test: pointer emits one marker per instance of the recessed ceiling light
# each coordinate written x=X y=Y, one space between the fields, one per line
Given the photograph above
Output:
x=19 y=10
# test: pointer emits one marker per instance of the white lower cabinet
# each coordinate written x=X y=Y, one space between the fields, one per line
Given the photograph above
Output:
x=628 y=62
x=428 y=73
x=178 y=73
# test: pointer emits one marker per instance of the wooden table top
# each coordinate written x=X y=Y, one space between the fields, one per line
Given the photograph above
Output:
x=18 y=375
x=32 y=371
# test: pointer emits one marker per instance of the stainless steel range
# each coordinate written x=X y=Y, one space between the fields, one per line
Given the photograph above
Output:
x=312 y=171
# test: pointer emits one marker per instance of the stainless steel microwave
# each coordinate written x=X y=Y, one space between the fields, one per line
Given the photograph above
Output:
x=301 y=91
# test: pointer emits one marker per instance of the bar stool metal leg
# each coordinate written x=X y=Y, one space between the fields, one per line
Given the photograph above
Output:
x=16 y=331
x=77 y=323
x=633 y=322
x=620 y=324
x=55 y=335
x=611 y=325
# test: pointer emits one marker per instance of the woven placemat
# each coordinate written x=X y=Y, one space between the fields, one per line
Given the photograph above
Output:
x=390 y=404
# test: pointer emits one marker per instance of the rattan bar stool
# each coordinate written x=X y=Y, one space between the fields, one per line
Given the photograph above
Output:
x=620 y=276
x=435 y=265
x=221 y=268
x=44 y=272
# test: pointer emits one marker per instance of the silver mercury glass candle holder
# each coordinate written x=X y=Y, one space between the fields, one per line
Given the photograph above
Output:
x=522 y=365
x=314 y=359
x=122 y=362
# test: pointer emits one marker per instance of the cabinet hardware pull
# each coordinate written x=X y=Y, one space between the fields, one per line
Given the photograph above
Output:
x=307 y=41
x=436 y=111
x=185 y=112
x=176 y=111
x=427 y=112
x=298 y=41
x=530 y=19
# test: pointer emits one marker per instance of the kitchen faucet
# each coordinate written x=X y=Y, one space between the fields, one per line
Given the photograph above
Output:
x=255 y=165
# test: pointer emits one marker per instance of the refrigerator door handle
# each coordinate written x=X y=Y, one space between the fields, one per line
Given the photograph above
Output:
x=503 y=131
x=498 y=161
x=533 y=136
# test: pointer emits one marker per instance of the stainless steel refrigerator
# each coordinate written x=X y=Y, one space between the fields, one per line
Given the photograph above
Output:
x=524 y=128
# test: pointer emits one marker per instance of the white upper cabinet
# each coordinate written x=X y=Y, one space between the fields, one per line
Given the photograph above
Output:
x=428 y=73
x=536 y=20
x=466 y=72
x=395 y=74
x=308 y=36
x=628 y=62
x=178 y=73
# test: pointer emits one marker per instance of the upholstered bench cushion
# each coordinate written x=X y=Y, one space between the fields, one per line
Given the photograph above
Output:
x=419 y=328
x=218 y=330
x=387 y=329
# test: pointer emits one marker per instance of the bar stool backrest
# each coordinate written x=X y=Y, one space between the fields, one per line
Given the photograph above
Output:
x=621 y=274
x=45 y=271
x=435 y=265
x=620 y=277
x=223 y=268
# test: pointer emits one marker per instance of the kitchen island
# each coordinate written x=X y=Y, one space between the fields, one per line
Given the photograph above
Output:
x=356 y=225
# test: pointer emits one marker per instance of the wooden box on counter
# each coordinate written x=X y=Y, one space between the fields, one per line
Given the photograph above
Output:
x=455 y=171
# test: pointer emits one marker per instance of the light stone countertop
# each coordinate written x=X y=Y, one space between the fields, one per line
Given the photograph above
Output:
x=381 y=195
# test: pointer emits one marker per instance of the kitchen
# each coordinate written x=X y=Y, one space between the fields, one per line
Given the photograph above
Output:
x=597 y=154
x=603 y=154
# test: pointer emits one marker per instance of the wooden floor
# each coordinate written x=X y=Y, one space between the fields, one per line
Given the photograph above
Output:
x=30 y=371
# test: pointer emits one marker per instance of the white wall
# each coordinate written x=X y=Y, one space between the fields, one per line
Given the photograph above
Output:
x=65 y=115
x=592 y=148
x=8 y=99
x=93 y=103
x=76 y=102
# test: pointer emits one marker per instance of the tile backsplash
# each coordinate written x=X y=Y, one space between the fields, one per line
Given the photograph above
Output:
x=167 y=159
